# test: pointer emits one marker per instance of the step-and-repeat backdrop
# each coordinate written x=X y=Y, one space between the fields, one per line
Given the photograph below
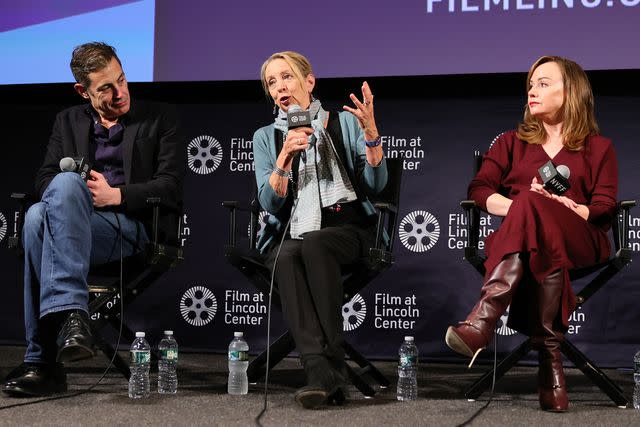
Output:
x=204 y=300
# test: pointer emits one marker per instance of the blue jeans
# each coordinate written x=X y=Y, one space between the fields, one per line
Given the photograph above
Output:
x=62 y=236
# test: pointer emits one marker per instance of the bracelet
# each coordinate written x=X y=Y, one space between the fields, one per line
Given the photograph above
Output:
x=373 y=143
x=281 y=172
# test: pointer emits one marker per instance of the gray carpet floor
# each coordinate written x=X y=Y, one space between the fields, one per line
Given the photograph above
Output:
x=202 y=399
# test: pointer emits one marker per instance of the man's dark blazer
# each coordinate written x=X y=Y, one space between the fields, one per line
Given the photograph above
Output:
x=154 y=159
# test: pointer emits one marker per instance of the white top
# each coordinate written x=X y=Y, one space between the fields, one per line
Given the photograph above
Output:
x=139 y=334
x=408 y=338
x=168 y=332
x=238 y=334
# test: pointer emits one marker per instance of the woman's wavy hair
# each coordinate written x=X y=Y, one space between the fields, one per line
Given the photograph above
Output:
x=299 y=64
x=577 y=111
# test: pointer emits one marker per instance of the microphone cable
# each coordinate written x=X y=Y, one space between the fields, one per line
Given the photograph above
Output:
x=115 y=353
x=273 y=272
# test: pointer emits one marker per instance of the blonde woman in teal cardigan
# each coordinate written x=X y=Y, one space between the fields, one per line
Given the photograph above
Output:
x=313 y=182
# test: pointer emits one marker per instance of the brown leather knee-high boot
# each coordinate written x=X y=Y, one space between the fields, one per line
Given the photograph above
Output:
x=546 y=338
x=473 y=335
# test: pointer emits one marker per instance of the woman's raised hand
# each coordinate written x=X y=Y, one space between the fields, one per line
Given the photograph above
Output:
x=364 y=112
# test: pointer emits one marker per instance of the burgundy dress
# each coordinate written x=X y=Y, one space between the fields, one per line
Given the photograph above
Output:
x=553 y=235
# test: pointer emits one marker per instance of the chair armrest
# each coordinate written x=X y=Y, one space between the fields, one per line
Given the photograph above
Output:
x=472 y=213
x=155 y=205
x=620 y=224
x=230 y=204
x=15 y=242
x=254 y=210
x=386 y=213
x=390 y=207
x=471 y=252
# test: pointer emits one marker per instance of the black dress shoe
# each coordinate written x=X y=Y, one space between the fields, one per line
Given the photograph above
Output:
x=75 y=341
x=36 y=380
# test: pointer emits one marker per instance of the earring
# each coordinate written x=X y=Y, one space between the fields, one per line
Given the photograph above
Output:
x=274 y=109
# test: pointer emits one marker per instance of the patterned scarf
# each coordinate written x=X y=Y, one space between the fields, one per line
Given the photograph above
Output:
x=322 y=180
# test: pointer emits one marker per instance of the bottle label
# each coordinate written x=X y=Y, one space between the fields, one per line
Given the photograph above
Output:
x=169 y=354
x=238 y=356
x=140 y=356
x=408 y=360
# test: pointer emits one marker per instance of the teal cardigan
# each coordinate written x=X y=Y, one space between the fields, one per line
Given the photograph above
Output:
x=371 y=180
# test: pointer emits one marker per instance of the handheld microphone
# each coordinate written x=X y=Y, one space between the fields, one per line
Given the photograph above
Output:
x=297 y=118
x=555 y=179
x=76 y=164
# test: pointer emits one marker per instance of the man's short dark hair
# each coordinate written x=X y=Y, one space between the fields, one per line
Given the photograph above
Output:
x=90 y=57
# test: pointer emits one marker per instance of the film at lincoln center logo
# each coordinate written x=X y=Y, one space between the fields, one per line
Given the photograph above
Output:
x=3 y=226
x=419 y=231
x=198 y=306
x=353 y=313
x=204 y=154
x=263 y=216
x=502 y=328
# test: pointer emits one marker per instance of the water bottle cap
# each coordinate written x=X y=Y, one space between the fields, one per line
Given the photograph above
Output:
x=139 y=334
x=168 y=332
x=238 y=334
x=408 y=338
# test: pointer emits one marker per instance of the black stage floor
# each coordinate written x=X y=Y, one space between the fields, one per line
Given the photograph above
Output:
x=202 y=399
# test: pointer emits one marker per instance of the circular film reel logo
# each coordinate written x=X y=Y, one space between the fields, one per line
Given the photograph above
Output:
x=419 y=231
x=3 y=226
x=198 y=306
x=353 y=313
x=496 y=139
x=204 y=154
x=502 y=328
x=262 y=222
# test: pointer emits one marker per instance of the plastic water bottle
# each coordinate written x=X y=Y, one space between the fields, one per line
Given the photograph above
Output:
x=636 y=380
x=167 y=363
x=408 y=370
x=140 y=360
x=238 y=364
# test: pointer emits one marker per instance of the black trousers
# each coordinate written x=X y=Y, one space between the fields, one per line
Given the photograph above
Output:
x=309 y=279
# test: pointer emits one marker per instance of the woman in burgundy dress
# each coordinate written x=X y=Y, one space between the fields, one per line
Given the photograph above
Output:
x=542 y=235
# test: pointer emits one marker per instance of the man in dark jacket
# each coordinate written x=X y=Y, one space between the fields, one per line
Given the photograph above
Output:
x=134 y=153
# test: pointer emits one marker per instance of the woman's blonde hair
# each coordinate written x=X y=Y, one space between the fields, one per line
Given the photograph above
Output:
x=577 y=110
x=299 y=64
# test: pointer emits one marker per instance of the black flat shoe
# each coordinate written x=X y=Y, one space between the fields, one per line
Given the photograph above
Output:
x=36 y=380
x=311 y=397
x=75 y=341
x=324 y=383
